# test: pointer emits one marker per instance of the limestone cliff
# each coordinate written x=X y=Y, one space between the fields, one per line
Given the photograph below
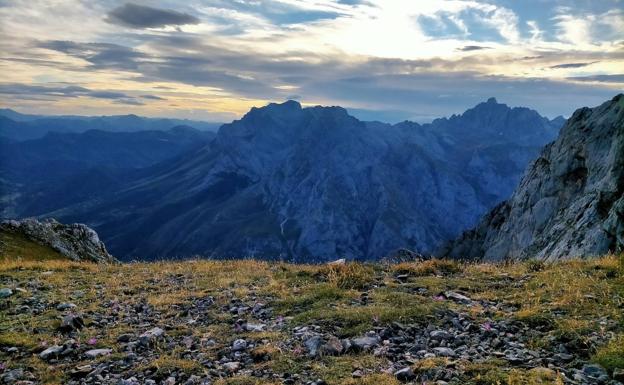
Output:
x=570 y=201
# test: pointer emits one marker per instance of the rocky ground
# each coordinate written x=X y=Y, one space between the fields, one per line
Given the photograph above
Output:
x=249 y=322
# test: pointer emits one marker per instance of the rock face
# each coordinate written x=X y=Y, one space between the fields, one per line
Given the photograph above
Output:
x=570 y=202
x=316 y=184
x=76 y=241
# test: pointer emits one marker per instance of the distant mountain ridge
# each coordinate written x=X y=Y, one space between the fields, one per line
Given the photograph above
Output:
x=309 y=184
x=58 y=169
x=570 y=202
x=18 y=126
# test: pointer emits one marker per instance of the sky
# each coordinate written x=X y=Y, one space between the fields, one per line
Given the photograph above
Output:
x=386 y=60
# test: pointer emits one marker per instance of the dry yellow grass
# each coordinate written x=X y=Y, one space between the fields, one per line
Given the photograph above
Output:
x=570 y=297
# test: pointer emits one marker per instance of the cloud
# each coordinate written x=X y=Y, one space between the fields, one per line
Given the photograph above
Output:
x=468 y=48
x=395 y=87
x=358 y=54
x=588 y=28
x=573 y=65
x=617 y=78
x=28 y=91
x=17 y=90
x=416 y=96
x=152 y=97
x=106 y=94
x=536 y=32
x=131 y=102
x=139 y=16
x=99 y=55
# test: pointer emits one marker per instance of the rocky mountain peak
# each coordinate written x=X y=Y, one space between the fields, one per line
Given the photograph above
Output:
x=280 y=110
x=570 y=202
x=75 y=241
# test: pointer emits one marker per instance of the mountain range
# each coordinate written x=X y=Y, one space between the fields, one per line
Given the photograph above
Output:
x=18 y=126
x=308 y=184
x=59 y=169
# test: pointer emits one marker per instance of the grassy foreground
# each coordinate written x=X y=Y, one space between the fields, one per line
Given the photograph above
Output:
x=570 y=302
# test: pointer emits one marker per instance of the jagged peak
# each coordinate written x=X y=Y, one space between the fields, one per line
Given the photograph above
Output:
x=289 y=105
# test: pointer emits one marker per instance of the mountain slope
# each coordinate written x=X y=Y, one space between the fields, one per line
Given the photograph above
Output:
x=570 y=202
x=316 y=183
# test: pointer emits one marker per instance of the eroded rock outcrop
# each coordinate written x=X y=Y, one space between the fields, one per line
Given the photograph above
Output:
x=75 y=241
x=570 y=201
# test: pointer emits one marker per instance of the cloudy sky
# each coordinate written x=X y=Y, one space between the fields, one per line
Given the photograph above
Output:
x=382 y=59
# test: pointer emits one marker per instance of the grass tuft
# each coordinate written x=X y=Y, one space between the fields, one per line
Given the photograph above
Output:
x=348 y=276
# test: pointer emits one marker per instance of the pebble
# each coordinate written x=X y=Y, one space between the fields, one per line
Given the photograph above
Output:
x=457 y=297
x=12 y=376
x=94 y=353
x=405 y=374
x=239 y=345
x=65 y=306
x=444 y=352
x=51 y=352
x=232 y=366
x=71 y=323
x=150 y=336
x=364 y=343
x=5 y=292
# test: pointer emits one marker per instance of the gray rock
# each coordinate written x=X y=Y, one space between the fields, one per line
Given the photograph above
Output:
x=595 y=371
x=65 y=306
x=124 y=338
x=5 y=292
x=232 y=366
x=51 y=352
x=313 y=344
x=457 y=297
x=71 y=322
x=151 y=336
x=251 y=327
x=130 y=381
x=13 y=376
x=444 y=352
x=239 y=345
x=405 y=374
x=81 y=371
x=570 y=202
x=332 y=347
x=364 y=343
x=94 y=353
x=441 y=335
x=76 y=241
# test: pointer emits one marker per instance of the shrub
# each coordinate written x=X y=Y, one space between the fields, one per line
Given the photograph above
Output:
x=535 y=265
